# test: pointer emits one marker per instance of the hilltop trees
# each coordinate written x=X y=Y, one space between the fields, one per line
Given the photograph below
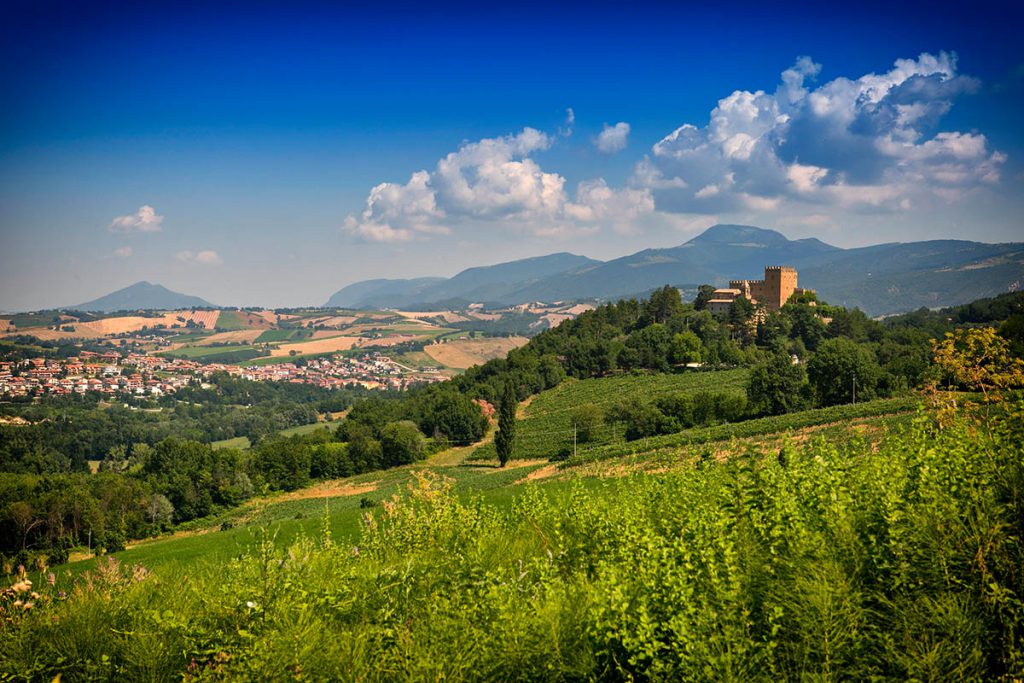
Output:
x=777 y=386
x=686 y=348
x=665 y=303
x=840 y=367
x=453 y=416
x=402 y=443
x=504 y=440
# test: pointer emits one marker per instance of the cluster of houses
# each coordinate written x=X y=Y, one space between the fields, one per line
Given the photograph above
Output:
x=141 y=374
x=371 y=371
x=105 y=373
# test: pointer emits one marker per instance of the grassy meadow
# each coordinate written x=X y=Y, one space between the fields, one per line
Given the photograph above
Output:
x=850 y=553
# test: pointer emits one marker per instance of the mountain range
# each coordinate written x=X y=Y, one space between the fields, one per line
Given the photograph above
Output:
x=879 y=279
x=142 y=296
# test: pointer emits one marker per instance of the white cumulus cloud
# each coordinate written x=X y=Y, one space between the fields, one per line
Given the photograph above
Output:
x=123 y=252
x=493 y=180
x=612 y=138
x=869 y=143
x=145 y=219
x=205 y=257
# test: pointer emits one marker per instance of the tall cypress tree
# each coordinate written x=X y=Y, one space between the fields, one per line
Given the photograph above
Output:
x=505 y=439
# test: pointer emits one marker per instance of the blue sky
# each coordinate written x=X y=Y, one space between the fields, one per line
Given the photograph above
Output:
x=233 y=152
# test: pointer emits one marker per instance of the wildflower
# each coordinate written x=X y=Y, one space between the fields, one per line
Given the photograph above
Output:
x=34 y=595
x=28 y=605
x=250 y=604
x=18 y=603
x=51 y=579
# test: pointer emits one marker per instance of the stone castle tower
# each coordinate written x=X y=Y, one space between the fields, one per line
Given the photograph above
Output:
x=779 y=283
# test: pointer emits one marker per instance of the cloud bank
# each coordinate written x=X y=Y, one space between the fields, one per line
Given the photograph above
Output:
x=809 y=153
x=494 y=180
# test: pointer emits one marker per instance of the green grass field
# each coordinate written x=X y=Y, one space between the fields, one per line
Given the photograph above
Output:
x=231 y=320
x=202 y=542
x=273 y=360
x=243 y=443
x=547 y=425
x=189 y=337
x=23 y=320
x=308 y=428
x=194 y=352
x=240 y=442
x=889 y=413
x=414 y=360
x=283 y=335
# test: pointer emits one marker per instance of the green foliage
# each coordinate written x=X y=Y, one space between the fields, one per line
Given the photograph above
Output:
x=805 y=325
x=839 y=368
x=704 y=294
x=1012 y=330
x=777 y=386
x=686 y=348
x=748 y=428
x=402 y=443
x=453 y=416
x=740 y=311
x=848 y=562
x=586 y=420
x=546 y=427
x=979 y=312
x=663 y=305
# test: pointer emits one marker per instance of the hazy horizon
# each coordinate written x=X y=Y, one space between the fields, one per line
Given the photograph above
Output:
x=262 y=156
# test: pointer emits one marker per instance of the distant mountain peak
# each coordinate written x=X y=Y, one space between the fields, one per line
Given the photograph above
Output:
x=142 y=295
x=740 y=235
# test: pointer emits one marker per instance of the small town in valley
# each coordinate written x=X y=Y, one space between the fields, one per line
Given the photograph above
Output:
x=137 y=374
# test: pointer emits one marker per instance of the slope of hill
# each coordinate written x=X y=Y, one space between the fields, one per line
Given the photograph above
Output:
x=895 y=278
x=363 y=294
x=483 y=283
x=880 y=279
x=142 y=296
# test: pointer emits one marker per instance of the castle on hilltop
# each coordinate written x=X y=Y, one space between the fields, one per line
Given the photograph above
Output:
x=772 y=292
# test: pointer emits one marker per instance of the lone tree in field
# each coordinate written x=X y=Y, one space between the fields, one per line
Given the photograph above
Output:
x=505 y=439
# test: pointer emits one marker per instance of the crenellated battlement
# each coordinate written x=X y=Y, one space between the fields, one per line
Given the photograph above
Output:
x=779 y=283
